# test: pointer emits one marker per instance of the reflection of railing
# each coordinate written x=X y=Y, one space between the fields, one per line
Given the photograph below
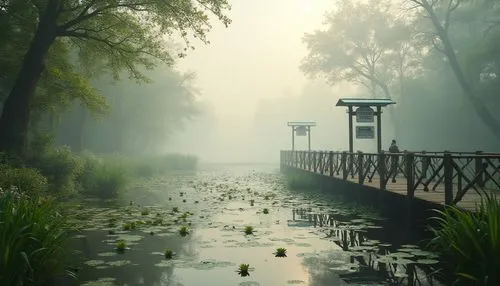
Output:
x=454 y=172
x=360 y=249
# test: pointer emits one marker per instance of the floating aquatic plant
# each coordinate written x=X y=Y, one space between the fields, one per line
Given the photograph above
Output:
x=183 y=231
x=243 y=270
x=169 y=254
x=121 y=246
x=248 y=230
x=280 y=252
x=129 y=226
x=265 y=211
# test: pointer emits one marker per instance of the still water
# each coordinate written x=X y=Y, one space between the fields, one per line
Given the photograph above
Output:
x=328 y=241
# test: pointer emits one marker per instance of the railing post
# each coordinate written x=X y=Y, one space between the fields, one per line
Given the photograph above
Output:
x=330 y=159
x=410 y=183
x=410 y=174
x=382 y=169
x=448 y=178
x=343 y=162
x=479 y=169
x=361 y=179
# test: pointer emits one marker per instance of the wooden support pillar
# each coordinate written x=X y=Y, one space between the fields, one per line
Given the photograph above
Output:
x=448 y=178
x=309 y=138
x=382 y=170
x=293 y=138
x=479 y=169
x=350 y=131
x=330 y=162
x=343 y=162
x=379 y=129
x=361 y=179
x=410 y=183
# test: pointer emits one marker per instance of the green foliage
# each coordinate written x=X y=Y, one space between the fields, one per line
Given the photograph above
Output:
x=61 y=168
x=169 y=254
x=371 y=49
x=105 y=179
x=280 y=252
x=248 y=230
x=471 y=241
x=27 y=180
x=243 y=270
x=32 y=238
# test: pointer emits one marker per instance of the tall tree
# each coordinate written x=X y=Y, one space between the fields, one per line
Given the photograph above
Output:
x=371 y=49
x=440 y=14
x=111 y=35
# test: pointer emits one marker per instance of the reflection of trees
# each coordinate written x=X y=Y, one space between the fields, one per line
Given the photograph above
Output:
x=354 y=240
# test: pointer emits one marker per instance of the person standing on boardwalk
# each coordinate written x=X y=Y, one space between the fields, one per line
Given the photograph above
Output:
x=394 y=160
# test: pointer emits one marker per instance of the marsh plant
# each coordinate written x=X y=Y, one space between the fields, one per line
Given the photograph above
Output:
x=120 y=246
x=248 y=230
x=144 y=212
x=280 y=252
x=169 y=254
x=183 y=231
x=471 y=241
x=129 y=226
x=175 y=209
x=32 y=238
x=252 y=202
x=265 y=211
x=243 y=270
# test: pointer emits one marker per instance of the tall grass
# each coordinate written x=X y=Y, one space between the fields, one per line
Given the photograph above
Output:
x=31 y=239
x=104 y=179
x=470 y=241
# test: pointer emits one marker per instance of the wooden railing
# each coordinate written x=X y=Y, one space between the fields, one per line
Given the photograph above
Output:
x=454 y=173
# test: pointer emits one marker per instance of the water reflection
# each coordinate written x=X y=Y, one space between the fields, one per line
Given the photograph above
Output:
x=366 y=260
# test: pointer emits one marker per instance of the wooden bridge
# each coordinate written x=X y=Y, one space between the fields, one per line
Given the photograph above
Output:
x=449 y=178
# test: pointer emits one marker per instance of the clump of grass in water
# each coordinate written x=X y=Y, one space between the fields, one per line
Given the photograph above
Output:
x=265 y=211
x=471 y=241
x=175 y=209
x=144 y=212
x=169 y=254
x=183 y=231
x=252 y=202
x=248 y=230
x=129 y=226
x=280 y=252
x=243 y=270
x=121 y=246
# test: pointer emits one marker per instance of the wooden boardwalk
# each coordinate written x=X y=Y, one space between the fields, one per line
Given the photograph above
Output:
x=468 y=202
x=449 y=178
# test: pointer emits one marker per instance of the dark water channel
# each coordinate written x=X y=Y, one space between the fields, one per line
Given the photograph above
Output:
x=327 y=241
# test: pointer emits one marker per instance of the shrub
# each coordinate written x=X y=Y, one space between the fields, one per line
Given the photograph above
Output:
x=471 y=241
x=105 y=180
x=32 y=235
x=27 y=180
x=60 y=167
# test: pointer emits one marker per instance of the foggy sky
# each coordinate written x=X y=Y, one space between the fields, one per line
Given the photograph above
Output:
x=257 y=59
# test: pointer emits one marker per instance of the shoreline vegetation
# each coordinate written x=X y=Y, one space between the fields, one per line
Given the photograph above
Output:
x=33 y=217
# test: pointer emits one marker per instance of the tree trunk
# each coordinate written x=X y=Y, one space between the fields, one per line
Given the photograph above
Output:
x=481 y=109
x=14 y=122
